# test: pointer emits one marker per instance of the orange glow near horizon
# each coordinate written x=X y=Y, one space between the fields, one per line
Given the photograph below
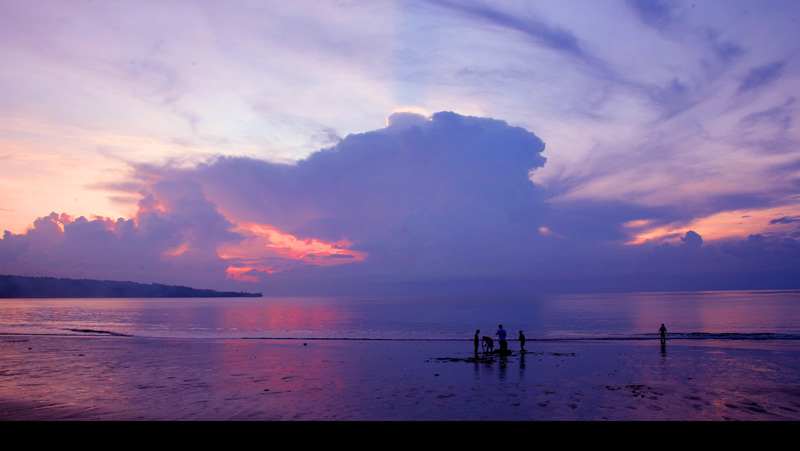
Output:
x=264 y=244
x=240 y=272
x=720 y=226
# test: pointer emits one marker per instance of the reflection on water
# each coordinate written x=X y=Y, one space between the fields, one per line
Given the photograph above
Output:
x=706 y=315
x=170 y=379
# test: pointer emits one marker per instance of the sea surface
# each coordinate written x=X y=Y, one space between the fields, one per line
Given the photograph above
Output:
x=719 y=315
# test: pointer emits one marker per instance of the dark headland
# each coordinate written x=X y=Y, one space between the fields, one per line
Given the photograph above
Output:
x=52 y=287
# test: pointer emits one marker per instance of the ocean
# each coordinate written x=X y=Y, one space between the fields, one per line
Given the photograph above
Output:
x=718 y=315
x=729 y=356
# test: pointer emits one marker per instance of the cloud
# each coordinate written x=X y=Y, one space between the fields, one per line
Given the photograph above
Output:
x=785 y=220
x=172 y=239
x=448 y=190
x=655 y=13
x=446 y=193
x=761 y=76
x=440 y=203
x=692 y=239
x=555 y=38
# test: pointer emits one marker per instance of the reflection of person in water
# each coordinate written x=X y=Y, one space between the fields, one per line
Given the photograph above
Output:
x=663 y=332
x=521 y=341
x=501 y=336
x=477 y=340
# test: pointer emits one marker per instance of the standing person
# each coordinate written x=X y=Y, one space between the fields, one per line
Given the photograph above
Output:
x=477 y=340
x=521 y=341
x=501 y=335
x=663 y=332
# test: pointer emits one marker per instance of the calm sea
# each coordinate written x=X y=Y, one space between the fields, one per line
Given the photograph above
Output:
x=739 y=315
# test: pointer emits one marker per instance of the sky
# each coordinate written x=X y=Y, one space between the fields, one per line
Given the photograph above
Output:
x=402 y=147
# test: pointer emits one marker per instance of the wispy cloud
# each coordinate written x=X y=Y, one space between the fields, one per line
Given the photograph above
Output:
x=758 y=77
x=540 y=32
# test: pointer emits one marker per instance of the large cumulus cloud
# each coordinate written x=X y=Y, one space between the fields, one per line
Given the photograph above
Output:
x=449 y=193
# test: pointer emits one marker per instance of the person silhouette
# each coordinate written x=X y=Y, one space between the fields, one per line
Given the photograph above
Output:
x=521 y=341
x=501 y=336
x=663 y=332
x=477 y=340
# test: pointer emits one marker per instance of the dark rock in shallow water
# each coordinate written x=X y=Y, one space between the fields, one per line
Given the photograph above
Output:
x=102 y=332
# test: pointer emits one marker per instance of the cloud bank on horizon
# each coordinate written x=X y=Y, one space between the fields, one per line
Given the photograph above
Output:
x=418 y=206
x=212 y=136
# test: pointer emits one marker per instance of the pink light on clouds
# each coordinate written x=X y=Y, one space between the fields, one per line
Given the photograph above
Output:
x=244 y=273
x=268 y=250
x=727 y=225
x=290 y=246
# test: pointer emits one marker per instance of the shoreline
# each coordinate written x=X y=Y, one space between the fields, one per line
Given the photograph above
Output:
x=108 y=378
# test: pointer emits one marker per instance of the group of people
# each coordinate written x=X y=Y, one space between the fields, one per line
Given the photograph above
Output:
x=501 y=338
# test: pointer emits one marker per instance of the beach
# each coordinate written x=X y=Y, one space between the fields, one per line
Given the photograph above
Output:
x=112 y=378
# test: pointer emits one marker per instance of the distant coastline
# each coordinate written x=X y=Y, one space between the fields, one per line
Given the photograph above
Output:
x=12 y=287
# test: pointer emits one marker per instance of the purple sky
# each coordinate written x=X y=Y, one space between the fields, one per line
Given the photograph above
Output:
x=403 y=147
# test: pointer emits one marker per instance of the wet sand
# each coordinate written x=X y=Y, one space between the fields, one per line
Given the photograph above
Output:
x=127 y=378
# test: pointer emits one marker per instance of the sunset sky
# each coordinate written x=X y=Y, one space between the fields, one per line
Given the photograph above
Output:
x=325 y=147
